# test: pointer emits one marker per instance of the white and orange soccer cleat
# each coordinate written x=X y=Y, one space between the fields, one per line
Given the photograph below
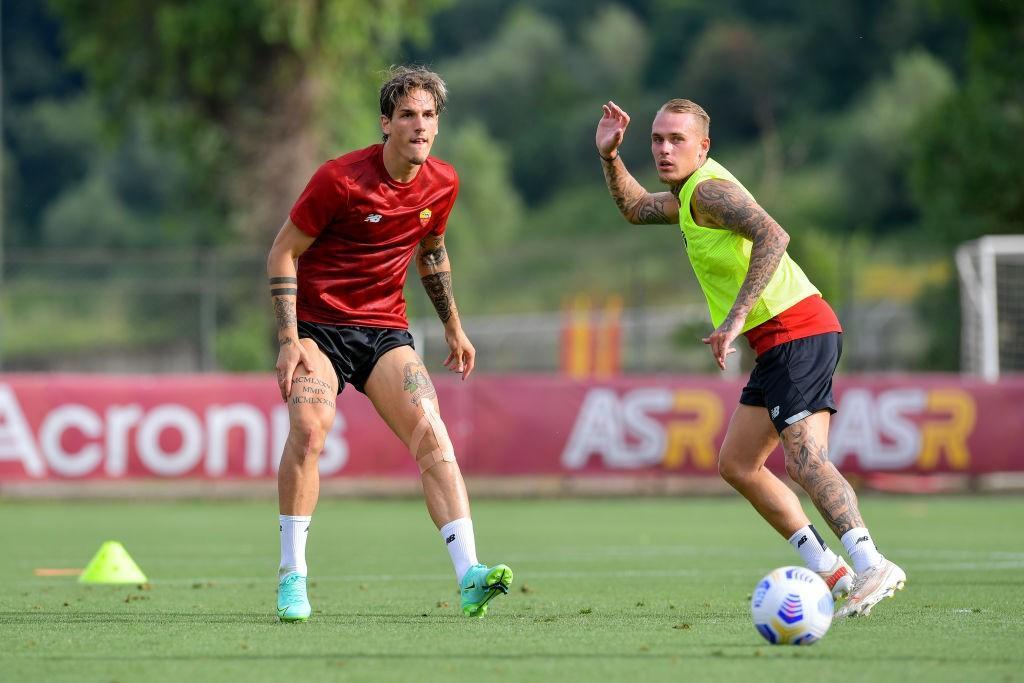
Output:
x=871 y=586
x=839 y=578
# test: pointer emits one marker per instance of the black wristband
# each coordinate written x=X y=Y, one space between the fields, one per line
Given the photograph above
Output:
x=608 y=159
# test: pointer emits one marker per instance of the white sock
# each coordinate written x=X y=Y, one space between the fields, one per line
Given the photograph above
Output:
x=458 y=536
x=294 y=530
x=816 y=555
x=862 y=550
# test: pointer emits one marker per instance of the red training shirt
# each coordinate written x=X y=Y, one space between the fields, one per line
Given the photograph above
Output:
x=367 y=226
x=805 y=318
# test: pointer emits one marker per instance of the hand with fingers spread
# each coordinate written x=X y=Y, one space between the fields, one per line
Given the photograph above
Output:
x=463 y=356
x=611 y=129
x=291 y=356
x=722 y=338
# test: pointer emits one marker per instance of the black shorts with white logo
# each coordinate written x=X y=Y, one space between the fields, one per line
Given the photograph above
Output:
x=794 y=379
x=352 y=349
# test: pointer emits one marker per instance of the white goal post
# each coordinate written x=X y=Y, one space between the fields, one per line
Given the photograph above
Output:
x=991 y=272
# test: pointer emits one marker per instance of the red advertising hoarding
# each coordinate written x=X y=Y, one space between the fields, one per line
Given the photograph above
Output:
x=231 y=427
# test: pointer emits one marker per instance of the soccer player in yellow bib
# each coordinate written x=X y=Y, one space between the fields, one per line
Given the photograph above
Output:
x=753 y=288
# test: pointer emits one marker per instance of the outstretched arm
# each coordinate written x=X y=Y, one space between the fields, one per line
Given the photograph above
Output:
x=722 y=204
x=636 y=204
x=436 y=274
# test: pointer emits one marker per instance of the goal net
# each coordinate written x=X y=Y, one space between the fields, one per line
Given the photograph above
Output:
x=992 y=303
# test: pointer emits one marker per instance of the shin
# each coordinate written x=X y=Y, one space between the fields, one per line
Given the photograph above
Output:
x=806 y=447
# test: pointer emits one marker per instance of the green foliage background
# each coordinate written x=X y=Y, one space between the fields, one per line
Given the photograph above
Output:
x=878 y=134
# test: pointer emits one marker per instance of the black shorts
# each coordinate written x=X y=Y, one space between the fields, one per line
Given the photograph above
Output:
x=794 y=380
x=354 y=350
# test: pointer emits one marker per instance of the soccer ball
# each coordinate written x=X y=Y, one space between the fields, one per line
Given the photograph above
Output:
x=792 y=606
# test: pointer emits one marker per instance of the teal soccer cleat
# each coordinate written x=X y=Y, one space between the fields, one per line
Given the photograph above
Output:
x=481 y=583
x=292 y=603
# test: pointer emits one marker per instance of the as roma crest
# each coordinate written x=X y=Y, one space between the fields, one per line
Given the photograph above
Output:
x=425 y=215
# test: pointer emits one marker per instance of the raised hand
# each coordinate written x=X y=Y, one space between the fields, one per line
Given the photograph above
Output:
x=611 y=129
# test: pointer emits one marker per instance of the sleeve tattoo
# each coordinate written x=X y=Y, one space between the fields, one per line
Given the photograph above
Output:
x=439 y=289
x=653 y=209
x=436 y=275
x=730 y=208
x=433 y=254
x=635 y=203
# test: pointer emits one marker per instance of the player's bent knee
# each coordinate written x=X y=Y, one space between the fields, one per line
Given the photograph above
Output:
x=734 y=472
x=729 y=472
x=429 y=443
x=794 y=470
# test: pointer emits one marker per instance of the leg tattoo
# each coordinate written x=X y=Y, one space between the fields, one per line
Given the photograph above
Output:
x=416 y=382
x=808 y=465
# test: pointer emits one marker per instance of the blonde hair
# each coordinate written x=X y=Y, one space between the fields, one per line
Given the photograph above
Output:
x=681 y=106
x=404 y=79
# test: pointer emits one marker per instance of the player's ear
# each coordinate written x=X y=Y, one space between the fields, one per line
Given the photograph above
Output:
x=385 y=125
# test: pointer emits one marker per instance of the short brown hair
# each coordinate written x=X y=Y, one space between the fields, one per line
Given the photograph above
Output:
x=681 y=106
x=404 y=79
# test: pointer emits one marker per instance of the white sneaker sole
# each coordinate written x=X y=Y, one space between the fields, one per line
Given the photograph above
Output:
x=894 y=580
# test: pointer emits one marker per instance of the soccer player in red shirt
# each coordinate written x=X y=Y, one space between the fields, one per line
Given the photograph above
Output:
x=341 y=319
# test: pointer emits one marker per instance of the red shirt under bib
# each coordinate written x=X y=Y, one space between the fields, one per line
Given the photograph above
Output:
x=805 y=318
x=367 y=226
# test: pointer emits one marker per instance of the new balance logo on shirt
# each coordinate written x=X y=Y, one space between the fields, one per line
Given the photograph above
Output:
x=373 y=218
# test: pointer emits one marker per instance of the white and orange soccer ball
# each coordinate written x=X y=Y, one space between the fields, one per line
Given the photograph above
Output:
x=792 y=606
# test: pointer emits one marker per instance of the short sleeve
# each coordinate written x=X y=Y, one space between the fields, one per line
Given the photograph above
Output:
x=442 y=222
x=320 y=203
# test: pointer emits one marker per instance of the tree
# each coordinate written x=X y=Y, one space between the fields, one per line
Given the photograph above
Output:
x=967 y=177
x=872 y=149
x=255 y=91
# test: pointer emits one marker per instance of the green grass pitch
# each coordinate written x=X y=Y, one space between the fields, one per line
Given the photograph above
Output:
x=609 y=590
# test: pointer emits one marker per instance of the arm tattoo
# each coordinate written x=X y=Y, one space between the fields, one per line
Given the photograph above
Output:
x=284 y=311
x=653 y=209
x=635 y=203
x=728 y=207
x=808 y=465
x=439 y=289
x=433 y=253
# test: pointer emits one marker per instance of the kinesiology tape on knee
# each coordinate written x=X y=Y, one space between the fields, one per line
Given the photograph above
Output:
x=431 y=422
